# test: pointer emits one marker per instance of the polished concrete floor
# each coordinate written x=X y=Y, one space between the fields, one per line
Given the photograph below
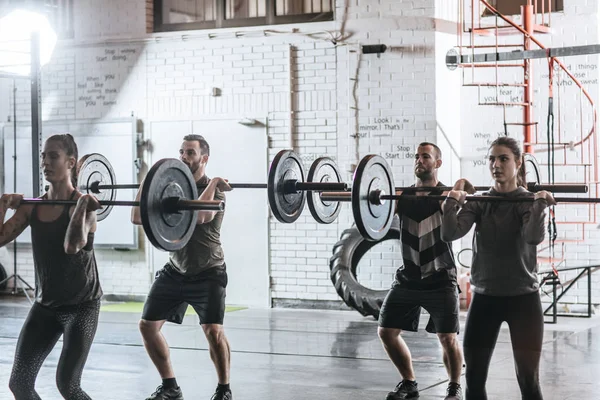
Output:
x=300 y=355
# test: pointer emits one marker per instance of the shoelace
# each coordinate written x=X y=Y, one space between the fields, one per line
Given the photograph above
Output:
x=158 y=389
x=220 y=395
x=452 y=390
x=401 y=385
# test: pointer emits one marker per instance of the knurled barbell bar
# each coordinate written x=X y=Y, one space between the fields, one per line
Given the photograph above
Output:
x=531 y=186
x=285 y=186
x=372 y=183
x=172 y=204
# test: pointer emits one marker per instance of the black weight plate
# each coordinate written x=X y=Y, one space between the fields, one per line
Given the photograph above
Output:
x=372 y=220
x=286 y=207
x=323 y=169
x=95 y=167
x=166 y=230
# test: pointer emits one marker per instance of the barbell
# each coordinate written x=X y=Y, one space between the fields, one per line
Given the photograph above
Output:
x=285 y=185
x=373 y=182
x=168 y=229
x=168 y=204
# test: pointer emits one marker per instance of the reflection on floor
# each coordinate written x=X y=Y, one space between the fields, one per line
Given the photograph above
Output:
x=300 y=355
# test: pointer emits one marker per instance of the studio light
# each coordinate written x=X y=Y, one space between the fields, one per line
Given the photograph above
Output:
x=16 y=29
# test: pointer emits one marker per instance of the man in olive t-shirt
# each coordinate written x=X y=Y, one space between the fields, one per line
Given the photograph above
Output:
x=195 y=275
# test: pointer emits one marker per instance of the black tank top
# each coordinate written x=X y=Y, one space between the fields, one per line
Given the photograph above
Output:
x=62 y=279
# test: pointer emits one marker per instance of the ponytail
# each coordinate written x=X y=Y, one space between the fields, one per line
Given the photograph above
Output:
x=522 y=174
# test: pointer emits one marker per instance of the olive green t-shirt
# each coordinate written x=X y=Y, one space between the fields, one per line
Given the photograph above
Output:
x=204 y=250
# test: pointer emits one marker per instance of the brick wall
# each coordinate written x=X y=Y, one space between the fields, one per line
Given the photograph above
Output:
x=347 y=105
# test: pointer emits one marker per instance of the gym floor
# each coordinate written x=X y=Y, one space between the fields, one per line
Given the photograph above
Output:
x=300 y=355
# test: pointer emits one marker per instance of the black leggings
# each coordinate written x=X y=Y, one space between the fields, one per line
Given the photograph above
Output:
x=526 y=323
x=41 y=330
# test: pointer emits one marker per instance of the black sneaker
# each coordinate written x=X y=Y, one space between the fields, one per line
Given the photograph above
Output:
x=404 y=390
x=454 y=392
x=166 y=394
x=222 y=395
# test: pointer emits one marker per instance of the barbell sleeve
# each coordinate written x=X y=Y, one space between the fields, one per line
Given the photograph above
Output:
x=175 y=204
x=95 y=187
x=336 y=196
x=321 y=186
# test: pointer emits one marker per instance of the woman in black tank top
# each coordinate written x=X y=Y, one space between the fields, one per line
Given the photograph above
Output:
x=68 y=289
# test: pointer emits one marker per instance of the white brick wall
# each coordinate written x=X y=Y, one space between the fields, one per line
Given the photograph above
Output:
x=336 y=90
x=109 y=19
x=578 y=25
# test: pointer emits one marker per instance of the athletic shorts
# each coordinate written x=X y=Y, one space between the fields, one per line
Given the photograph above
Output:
x=171 y=293
x=401 y=309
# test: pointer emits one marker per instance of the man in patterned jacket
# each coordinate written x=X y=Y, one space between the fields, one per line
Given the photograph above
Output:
x=427 y=279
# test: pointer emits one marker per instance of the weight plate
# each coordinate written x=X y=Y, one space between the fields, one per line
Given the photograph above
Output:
x=286 y=207
x=323 y=169
x=95 y=167
x=167 y=230
x=372 y=220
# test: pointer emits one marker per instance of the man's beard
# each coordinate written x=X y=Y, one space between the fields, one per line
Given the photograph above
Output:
x=424 y=175
x=193 y=167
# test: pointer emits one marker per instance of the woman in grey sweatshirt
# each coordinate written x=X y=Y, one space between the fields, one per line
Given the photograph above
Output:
x=503 y=271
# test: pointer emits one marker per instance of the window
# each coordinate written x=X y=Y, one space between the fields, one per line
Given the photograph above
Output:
x=60 y=15
x=176 y=15
x=513 y=7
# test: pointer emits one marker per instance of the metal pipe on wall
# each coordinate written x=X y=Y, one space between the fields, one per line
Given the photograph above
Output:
x=291 y=91
x=36 y=113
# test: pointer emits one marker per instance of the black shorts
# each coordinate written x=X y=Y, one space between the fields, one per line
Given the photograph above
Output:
x=171 y=293
x=401 y=309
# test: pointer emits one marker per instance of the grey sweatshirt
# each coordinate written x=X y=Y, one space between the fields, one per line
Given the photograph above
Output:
x=504 y=243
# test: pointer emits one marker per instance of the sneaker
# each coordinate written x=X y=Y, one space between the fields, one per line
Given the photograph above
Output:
x=222 y=395
x=166 y=394
x=404 y=390
x=454 y=392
